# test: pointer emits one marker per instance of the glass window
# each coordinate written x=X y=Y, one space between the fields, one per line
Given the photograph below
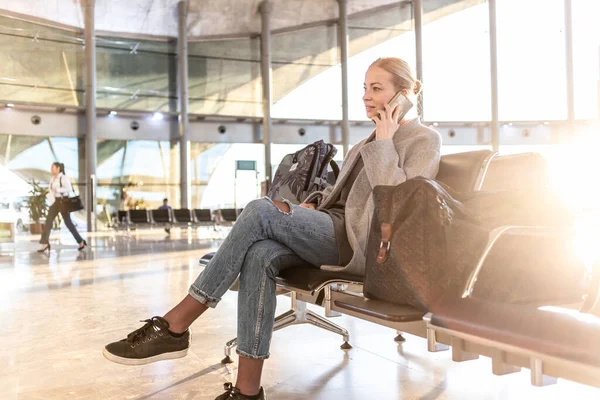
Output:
x=137 y=174
x=214 y=180
x=586 y=54
x=40 y=64
x=456 y=66
x=31 y=157
x=224 y=77
x=531 y=60
x=27 y=158
x=310 y=87
x=306 y=77
x=138 y=75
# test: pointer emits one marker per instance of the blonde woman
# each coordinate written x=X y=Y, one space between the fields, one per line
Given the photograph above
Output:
x=330 y=228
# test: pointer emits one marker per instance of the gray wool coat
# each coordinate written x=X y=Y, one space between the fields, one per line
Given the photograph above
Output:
x=413 y=151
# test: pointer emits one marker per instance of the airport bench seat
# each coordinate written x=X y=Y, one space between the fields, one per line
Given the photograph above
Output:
x=463 y=172
x=161 y=217
x=553 y=331
x=182 y=216
x=552 y=342
x=139 y=217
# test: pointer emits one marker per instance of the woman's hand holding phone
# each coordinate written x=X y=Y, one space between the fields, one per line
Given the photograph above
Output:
x=387 y=124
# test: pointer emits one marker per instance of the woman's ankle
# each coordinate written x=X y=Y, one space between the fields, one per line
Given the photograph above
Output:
x=175 y=326
x=249 y=376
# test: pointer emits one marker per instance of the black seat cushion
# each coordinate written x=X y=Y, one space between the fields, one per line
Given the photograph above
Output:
x=380 y=309
x=305 y=278
x=310 y=279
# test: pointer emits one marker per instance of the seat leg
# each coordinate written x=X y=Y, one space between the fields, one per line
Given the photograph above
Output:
x=458 y=351
x=399 y=338
x=317 y=320
x=432 y=344
x=329 y=313
x=228 y=347
x=499 y=365
x=537 y=374
x=284 y=320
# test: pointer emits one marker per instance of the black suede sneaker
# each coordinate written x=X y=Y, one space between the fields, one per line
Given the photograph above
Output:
x=152 y=342
x=231 y=392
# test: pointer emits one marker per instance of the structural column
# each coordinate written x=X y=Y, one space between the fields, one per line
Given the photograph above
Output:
x=418 y=17
x=495 y=123
x=569 y=60
x=90 y=113
x=343 y=43
x=184 y=138
x=265 y=61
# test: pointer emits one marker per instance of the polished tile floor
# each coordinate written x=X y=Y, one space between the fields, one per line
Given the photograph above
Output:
x=58 y=311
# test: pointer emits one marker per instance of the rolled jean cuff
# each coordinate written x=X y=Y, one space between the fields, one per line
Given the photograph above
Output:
x=254 y=357
x=202 y=297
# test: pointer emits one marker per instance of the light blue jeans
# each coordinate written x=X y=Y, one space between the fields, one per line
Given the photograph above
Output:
x=263 y=242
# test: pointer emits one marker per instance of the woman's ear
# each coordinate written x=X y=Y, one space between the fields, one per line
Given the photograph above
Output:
x=405 y=92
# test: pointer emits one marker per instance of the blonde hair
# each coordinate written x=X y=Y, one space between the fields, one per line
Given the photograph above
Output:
x=402 y=74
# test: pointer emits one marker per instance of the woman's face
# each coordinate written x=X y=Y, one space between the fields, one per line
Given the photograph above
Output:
x=54 y=169
x=379 y=90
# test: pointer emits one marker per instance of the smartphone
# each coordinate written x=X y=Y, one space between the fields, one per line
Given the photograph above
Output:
x=404 y=103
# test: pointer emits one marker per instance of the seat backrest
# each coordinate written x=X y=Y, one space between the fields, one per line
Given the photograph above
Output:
x=516 y=171
x=161 y=216
x=183 y=215
x=464 y=172
x=139 y=216
x=203 y=215
x=230 y=214
x=122 y=216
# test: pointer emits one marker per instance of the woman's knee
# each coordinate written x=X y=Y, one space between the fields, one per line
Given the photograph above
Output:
x=263 y=257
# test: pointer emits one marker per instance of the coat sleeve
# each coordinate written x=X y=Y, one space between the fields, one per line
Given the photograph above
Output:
x=382 y=161
x=64 y=186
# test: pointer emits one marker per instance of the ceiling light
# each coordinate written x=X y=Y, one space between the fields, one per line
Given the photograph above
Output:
x=113 y=113
x=10 y=105
x=157 y=116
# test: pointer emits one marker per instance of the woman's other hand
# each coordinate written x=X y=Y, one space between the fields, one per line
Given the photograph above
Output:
x=308 y=205
x=283 y=206
x=387 y=124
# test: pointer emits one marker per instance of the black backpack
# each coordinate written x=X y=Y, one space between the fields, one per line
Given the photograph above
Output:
x=304 y=172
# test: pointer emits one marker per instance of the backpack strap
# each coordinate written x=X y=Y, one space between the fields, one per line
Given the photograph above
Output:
x=335 y=168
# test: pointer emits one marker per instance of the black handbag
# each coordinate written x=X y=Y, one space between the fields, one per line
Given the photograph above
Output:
x=70 y=204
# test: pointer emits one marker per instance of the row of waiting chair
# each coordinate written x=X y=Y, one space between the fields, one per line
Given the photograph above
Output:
x=552 y=343
x=178 y=217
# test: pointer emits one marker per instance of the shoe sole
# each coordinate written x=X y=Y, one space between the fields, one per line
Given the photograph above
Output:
x=142 y=361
